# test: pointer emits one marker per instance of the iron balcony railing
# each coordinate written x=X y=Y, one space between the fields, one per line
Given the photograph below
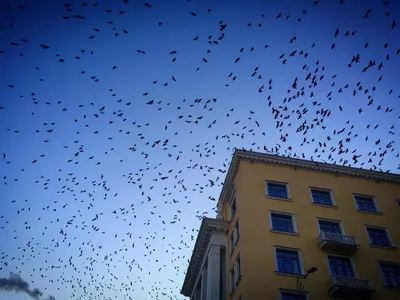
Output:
x=351 y=283
x=337 y=238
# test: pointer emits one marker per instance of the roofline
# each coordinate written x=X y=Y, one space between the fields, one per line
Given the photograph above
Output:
x=203 y=238
x=238 y=155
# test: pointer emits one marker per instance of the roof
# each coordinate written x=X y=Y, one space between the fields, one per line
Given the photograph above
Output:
x=207 y=227
x=298 y=163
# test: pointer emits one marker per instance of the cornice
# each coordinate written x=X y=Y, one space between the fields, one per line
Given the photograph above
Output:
x=207 y=228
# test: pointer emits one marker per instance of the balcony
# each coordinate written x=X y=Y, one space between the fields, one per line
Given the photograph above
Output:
x=350 y=288
x=338 y=242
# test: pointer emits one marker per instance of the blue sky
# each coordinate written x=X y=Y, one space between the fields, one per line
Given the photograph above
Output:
x=112 y=156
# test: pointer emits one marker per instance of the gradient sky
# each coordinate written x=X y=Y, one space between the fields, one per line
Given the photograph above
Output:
x=83 y=146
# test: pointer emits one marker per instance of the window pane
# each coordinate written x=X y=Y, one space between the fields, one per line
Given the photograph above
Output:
x=233 y=207
x=378 y=237
x=238 y=268
x=288 y=261
x=232 y=280
x=282 y=223
x=391 y=274
x=292 y=296
x=231 y=242
x=333 y=227
x=321 y=197
x=365 y=203
x=277 y=190
x=340 y=266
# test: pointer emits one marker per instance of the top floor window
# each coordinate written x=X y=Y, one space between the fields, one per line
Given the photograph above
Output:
x=366 y=203
x=277 y=189
x=233 y=207
x=322 y=197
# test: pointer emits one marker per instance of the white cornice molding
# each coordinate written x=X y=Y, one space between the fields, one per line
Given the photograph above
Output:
x=207 y=228
x=297 y=163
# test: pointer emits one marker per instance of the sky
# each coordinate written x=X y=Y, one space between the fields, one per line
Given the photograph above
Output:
x=118 y=121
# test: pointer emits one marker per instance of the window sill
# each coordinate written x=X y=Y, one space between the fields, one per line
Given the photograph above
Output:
x=383 y=247
x=288 y=274
x=238 y=281
x=284 y=232
x=278 y=198
x=325 y=205
x=370 y=212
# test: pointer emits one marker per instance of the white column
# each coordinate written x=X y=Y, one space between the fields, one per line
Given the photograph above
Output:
x=204 y=283
x=213 y=274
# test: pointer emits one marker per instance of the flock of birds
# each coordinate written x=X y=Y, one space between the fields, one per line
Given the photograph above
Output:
x=85 y=240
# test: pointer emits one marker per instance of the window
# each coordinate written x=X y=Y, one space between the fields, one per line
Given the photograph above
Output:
x=398 y=203
x=288 y=261
x=232 y=276
x=379 y=237
x=330 y=226
x=238 y=268
x=233 y=207
x=278 y=190
x=282 y=222
x=287 y=295
x=237 y=232
x=340 y=266
x=365 y=203
x=391 y=274
x=240 y=297
x=231 y=241
x=322 y=197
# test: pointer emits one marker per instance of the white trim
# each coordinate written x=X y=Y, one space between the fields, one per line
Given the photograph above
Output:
x=271 y=212
x=353 y=266
x=331 y=221
x=333 y=203
x=277 y=182
x=366 y=226
x=294 y=293
x=298 y=251
x=366 y=196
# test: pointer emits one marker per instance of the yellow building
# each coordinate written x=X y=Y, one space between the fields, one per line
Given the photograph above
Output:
x=295 y=229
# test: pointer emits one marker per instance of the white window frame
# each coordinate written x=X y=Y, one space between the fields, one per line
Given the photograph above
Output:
x=272 y=212
x=373 y=201
x=238 y=263
x=386 y=263
x=331 y=221
x=282 y=291
x=232 y=286
x=281 y=183
x=232 y=242
x=366 y=226
x=232 y=196
x=233 y=199
x=353 y=266
x=237 y=232
x=333 y=203
x=301 y=265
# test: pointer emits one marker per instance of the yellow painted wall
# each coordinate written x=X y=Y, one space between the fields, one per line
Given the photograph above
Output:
x=256 y=241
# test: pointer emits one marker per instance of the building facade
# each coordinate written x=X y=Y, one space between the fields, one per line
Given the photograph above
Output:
x=295 y=229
